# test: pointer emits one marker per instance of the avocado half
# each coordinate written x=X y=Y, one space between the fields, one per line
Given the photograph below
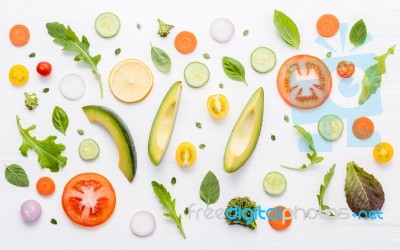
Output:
x=245 y=133
x=121 y=135
x=163 y=124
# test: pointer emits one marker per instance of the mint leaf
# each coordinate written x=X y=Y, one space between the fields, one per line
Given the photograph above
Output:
x=287 y=29
x=234 y=69
x=327 y=179
x=209 y=188
x=358 y=33
x=16 y=175
x=60 y=119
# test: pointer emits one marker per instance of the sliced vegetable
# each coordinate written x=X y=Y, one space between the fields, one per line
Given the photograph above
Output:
x=161 y=59
x=196 y=74
x=89 y=149
x=45 y=186
x=383 y=152
x=287 y=29
x=358 y=33
x=234 y=69
x=18 y=75
x=218 y=106
x=44 y=68
x=345 y=69
x=263 y=59
x=60 y=119
x=222 y=30
x=363 y=128
x=107 y=25
x=185 y=42
x=19 y=35
x=16 y=175
x=72 y=86
x=186 y=154
x=327 y=25
x=280 y=218
x=143 y=224
x=209 y=188
x=30 y=211
x=274 y=183
x=330 y=127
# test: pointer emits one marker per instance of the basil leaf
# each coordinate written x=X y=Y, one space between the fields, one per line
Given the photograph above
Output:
x=358 y=33
x=363 y=190
x=16 y=175
x=287 y=29
x=234 y=69
x=160 y=59
x=209 y=189
x=60 y=119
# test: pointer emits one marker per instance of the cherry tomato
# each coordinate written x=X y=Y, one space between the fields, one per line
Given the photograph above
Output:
x=345 y=69
x=218 y=106
x=383 y=152
x=44 y=68
x=18 y=75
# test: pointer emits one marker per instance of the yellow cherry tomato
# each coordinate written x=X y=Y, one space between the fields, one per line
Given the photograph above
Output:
x=383 y=152
x=185 y=154
x=218 y=106
x=18 y=75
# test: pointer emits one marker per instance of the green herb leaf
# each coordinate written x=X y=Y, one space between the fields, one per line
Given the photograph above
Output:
x=287 y=29
x=169 y=204
x=329 y=54
x=16 y=175
x=45 y=90
x=322 y=189
x=198 y=125
x=202 y=146
x=66 y=37
x=221 y=85
x=60 y=119
x=245 y=32
x=32 y=55
x=363 y=190
x=286 y=118
x=138 y=26
x=209 y=188
x=117 y=51
x=234 y=69
x=53 y=221
x=48 y=152
x=206 y=56
x=173 y=181
x=186 y=211
x=358 y=33
x=160 y=59
x=373 y=76
x=80 y=132
x=307 y=136
x=273 y=137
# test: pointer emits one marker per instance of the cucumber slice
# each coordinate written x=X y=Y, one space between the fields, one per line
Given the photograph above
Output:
x=89 y=149
x=196 y=74
x=274 y=183
x=263 y=59
x=107 y=25
x=330 y=127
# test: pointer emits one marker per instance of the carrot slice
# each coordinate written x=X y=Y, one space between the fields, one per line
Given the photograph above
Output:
x=277 y=221
x=363 y=128
x=19 y=35
x=45 y=186
x=185 y=42
x=327 y=25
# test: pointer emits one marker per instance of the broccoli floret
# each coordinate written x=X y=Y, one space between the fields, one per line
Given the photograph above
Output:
x=238 y=211
x=31 y=100
x=164 y=29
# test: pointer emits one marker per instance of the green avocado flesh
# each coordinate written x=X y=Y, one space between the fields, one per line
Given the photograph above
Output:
x=163 y=124
x=121 y=135
x=245 y=133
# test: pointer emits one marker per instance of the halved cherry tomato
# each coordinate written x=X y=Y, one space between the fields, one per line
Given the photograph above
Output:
x=88 y=199
x=383 y=152
x=277 y=221
x=304 y=82
x=345 y=69
x=18 y=75
x=45 y=186
x=186 y=154
x=44 y=68
x=218 y=106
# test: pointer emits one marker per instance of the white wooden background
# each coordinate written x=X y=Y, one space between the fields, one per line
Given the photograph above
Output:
x=382 y=19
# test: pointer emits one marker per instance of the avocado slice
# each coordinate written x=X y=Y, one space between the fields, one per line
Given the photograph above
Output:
x=245 y=133
x=163 y=124
x=121 y=135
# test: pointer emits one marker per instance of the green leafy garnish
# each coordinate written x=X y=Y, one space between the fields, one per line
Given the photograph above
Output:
x=16 y=175
x=286 y=118
x=45 y=90
x=322 y=189
x=117 y=51
x=245 y=32
x=329 y=54
x=358 y=33
x=209 y=188
x=198 y=125
x=373 y=76
x=60 y=119
x=169 y=204
x=53 y=221
x=202 y=146
x=273 y=137
x=186 y=211
x=206 y=56
x=32 y=55
x=221 y=85
x=80 y=132
x=161 y=59
x=48 y=152
x=173 y=181
x=66 y=37
x=138 y=26
x=234 y=69
x=287 y=29
x=363 y=190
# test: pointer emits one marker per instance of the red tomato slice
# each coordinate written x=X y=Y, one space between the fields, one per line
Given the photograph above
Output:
x=304 y=82
x=88 y=199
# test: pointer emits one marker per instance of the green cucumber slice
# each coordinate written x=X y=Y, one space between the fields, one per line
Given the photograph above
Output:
x=107 y=25
x=274 y=183
x=89 y=149
x=263 y=59
x=196 y=74
x=330 y=127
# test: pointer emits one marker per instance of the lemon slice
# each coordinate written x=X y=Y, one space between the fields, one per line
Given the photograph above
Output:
x=131 y=81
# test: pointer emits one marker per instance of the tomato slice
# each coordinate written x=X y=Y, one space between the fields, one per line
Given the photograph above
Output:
x=217 y=106
x=345 y=69
x=304 y=82
x=88 y=199
x=383 y=152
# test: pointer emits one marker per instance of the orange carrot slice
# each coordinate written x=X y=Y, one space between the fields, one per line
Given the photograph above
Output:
x=19 y=35
x=185 y=42
x=363 y=128
x=277 y=221
x=327 y=25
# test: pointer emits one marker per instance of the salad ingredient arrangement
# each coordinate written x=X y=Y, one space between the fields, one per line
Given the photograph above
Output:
x=45 y=186
x=287 y=29
x=186 y=154
x=30 y=211
x=72 y=86
x=88 y=150
x=383 y=152
x=327 y=179
x=163 y=29
x=31 y=100
x=327 y=25
x=185 y=42
x=358 y=33
x=196 y=74
x=143 y=224
x=217 y=106
x=16 y=175
x=235 y=206
x=234 y=69
x=330 y=127
x=161 y=59
x=245 y=133
x=274 y=183
x=60 y=119
x=222 y=30
x=209 y=188
x=107 y=25
x=263 y=59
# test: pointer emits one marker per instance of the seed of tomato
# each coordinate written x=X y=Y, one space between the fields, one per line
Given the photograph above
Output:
x=44 y=68
x=345 y=69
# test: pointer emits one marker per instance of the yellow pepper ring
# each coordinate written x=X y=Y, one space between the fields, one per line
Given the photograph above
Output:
x=18 y=75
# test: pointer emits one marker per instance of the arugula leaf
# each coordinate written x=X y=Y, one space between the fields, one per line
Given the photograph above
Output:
x=48 y=152
x=66 y=37
x=287 y=29
x=322 y=189
x=373 y=76
x=60 y=119
x=234 y=69
x=16 y=175
x=363 y=190
x=358 y=33
x=307 y=136
x=161 y=59
x=169 y=204
x=209 y=188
